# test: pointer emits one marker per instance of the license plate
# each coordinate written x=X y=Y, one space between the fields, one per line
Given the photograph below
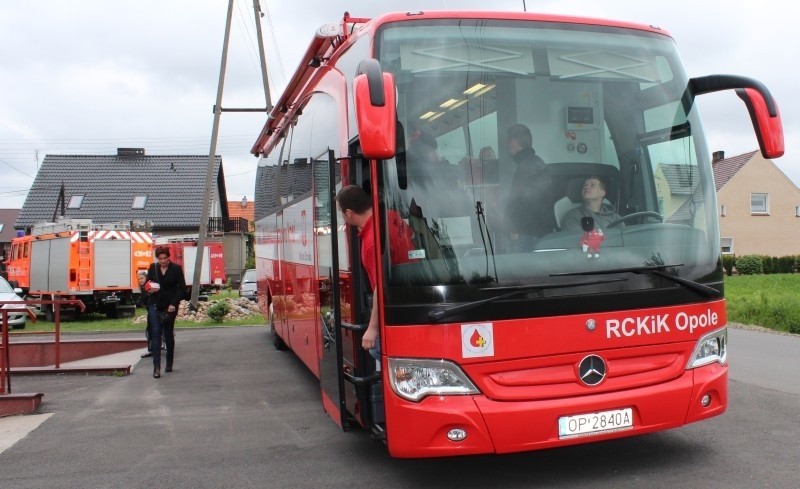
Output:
x=594 y=423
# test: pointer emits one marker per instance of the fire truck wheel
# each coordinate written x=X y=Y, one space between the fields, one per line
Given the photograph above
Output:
x=49 y=314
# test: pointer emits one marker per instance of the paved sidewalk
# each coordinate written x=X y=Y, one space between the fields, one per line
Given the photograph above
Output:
x=131 y=358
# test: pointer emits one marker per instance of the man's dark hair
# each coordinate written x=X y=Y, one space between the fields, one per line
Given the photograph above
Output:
x=162 y=250
x=521 y=134
x=425 y=140
x=354 y=198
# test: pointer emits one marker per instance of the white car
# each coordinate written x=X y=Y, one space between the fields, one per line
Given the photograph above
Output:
x=248 y=288
x=16 y=320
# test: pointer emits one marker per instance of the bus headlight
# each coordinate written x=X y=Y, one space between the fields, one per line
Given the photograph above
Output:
x=414 y=379
x=711 y=348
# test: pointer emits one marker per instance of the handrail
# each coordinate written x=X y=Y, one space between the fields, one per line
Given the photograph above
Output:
x=5 y=357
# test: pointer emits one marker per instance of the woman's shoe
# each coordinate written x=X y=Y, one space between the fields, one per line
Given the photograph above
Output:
x=157 y=373
x=168 y=369
x=147 y=354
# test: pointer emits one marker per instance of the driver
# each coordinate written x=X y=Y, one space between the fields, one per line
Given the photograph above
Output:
x=593 y=193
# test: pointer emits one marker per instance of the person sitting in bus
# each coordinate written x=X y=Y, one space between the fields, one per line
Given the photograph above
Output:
x=593 y=194
x=529 y=209
x=356 y=207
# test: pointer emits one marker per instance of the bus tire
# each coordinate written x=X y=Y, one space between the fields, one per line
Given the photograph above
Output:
x=277 y=341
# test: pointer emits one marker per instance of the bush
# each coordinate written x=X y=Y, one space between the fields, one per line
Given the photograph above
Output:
x=218 y=310
x=749 y=265
x=766 y=265
x=786 y=264
x=727 y=263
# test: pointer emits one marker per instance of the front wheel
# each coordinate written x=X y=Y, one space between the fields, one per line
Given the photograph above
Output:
x=277 y=341
x=49 y=312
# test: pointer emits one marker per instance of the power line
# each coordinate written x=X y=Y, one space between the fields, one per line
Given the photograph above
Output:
x=14 y=168
x=245 y=29
x=275 y=43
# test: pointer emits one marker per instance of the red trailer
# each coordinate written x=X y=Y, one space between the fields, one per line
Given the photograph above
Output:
x=183 y=251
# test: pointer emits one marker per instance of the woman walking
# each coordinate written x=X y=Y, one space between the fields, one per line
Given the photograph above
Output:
x=172 y=286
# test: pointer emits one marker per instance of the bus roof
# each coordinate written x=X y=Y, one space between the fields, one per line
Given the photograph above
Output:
x=331 y=37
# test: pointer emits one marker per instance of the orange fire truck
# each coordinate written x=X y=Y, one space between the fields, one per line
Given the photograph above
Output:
x=79 y=259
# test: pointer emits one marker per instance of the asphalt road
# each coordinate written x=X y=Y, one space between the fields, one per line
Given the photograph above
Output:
x=235 y=413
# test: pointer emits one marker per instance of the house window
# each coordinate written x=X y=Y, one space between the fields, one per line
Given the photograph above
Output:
x=727 y=245
x=1 y=227
x=759 y=203
x=139 y=202
x=797 y=211
x=723 y=211
x=75 y=202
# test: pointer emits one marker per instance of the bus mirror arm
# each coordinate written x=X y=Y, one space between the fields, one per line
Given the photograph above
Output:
x=762 y=107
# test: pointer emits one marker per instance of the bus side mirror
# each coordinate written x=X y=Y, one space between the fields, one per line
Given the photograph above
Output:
x=769 y=129
x=760 y=104
x=376 y=114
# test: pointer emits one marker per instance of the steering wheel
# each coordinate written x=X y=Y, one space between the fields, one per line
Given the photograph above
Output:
x=637 y=215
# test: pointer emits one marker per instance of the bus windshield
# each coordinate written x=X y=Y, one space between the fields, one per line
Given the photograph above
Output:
x=532 y=151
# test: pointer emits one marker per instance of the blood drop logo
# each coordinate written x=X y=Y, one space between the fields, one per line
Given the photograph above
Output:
x=477 y=340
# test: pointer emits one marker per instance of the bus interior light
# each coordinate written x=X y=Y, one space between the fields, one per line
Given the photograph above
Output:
x=711 y=348
x=414 y=379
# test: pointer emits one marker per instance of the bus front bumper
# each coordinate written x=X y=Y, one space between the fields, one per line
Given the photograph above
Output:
x=422 y=429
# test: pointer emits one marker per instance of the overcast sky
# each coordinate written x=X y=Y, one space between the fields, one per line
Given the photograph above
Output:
x=88 y=76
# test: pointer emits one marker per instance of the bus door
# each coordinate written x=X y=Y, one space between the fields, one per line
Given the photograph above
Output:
x=330 y=244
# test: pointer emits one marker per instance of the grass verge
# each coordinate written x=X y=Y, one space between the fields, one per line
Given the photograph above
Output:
x=771 y=301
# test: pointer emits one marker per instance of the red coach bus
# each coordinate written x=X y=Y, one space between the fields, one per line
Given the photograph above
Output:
x=612 y=329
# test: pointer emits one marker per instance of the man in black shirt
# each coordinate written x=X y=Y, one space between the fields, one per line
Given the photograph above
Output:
x=529 y=211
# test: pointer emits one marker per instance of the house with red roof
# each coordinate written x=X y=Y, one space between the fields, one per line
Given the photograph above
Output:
x=759 y=206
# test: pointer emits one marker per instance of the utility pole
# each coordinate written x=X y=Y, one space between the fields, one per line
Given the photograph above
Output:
x=212 y=154
x=258 y=15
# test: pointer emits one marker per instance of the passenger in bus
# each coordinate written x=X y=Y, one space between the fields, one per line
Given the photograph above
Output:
x=433 y=191
x=594 y=205
x=529 y=209
x=425 y=149
x=356 y=207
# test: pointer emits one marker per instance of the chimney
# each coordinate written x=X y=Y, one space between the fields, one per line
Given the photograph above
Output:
x=130 y=151
x=717 y=156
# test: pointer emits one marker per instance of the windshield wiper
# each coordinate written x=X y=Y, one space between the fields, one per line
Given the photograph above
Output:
x=439 y=314
x=658 y=270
